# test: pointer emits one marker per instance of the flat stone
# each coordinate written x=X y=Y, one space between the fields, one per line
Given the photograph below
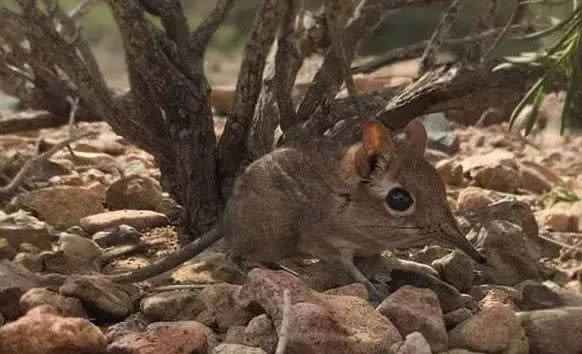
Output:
x=138 y=219
x=553 y=331
x=62 y=206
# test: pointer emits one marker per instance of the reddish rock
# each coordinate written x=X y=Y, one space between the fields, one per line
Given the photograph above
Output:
x=43 y=331
x=321 y=323
x=68 y=306
x=417 y=310
x=181 y=338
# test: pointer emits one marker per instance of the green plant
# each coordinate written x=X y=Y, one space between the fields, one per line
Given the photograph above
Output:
x=561 y=55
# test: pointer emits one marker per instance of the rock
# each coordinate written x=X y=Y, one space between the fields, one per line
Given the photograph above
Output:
x=558 y=218
x=496 y=297
x=532 y=180
x=62 y=206
x=414 y=343
x=460 y=351
x=453 y=318
x=118 y=235
x=355 y=289
x=554 y=331
x=536 y=296
x=449 y=297
x=67 y=306
x=511 y=255
x=494 y=158
x=30 y=261
x=440 y=133
x=416 y=310
x=219 y=307
x=537 y=178
x=213 y=306
x=567 y=296
x=98 y=160
x=15 y=280
x=134 y=192
x=44 y=331
x=164 y=337
x=451 y=172
x=171 y=305
x=138 y=219
x=101 y=297
x=19 y=228
x=207 y=268
x=472 y=198
x=321 y=323
x=428 y=254
x=79 y=247
x=136 y=322
x=456 y=268
x=6 y=250
x=236 y=349
x=260 y=332
x=433 y=156
x=494 y=329
x=516 y=212
x=500 y=178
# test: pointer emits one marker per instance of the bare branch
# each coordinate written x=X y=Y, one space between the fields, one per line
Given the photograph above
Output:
x=415 y=50
x=173 y=18
x=510 y=22
x=288 y=60
x=368 y=15
x=441 y=32
x=231 y=148
x=30 y=164
x=337 y=14
x=202 y=35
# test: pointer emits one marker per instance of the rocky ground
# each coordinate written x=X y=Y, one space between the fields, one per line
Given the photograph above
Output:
x=99 y=209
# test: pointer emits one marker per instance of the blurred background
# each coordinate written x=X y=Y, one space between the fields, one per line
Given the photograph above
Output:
x=407 y=27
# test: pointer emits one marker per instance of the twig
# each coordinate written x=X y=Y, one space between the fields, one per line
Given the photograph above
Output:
x=415 y=50
x=503 y=32
x=30 y=164
x=201 y=36
x=74 y=107
x=561 y=244
x=336 y=14
x=441 y=32
x=284 y=329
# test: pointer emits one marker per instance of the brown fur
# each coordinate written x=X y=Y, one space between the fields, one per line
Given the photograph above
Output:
x=327 y=201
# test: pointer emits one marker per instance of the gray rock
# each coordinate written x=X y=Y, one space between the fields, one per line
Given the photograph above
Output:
x=260 y=332
x=100 y=297
x=554 y=331
x=440 y=133
x=416 y=310
x=136 y=322
x=414 y=343
x=19 y=228
x=456 y=268
x=115 y=236
x=536 y=296
x=453 y=318
x=511 y=255
x=15 y=280
x=171 y=306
